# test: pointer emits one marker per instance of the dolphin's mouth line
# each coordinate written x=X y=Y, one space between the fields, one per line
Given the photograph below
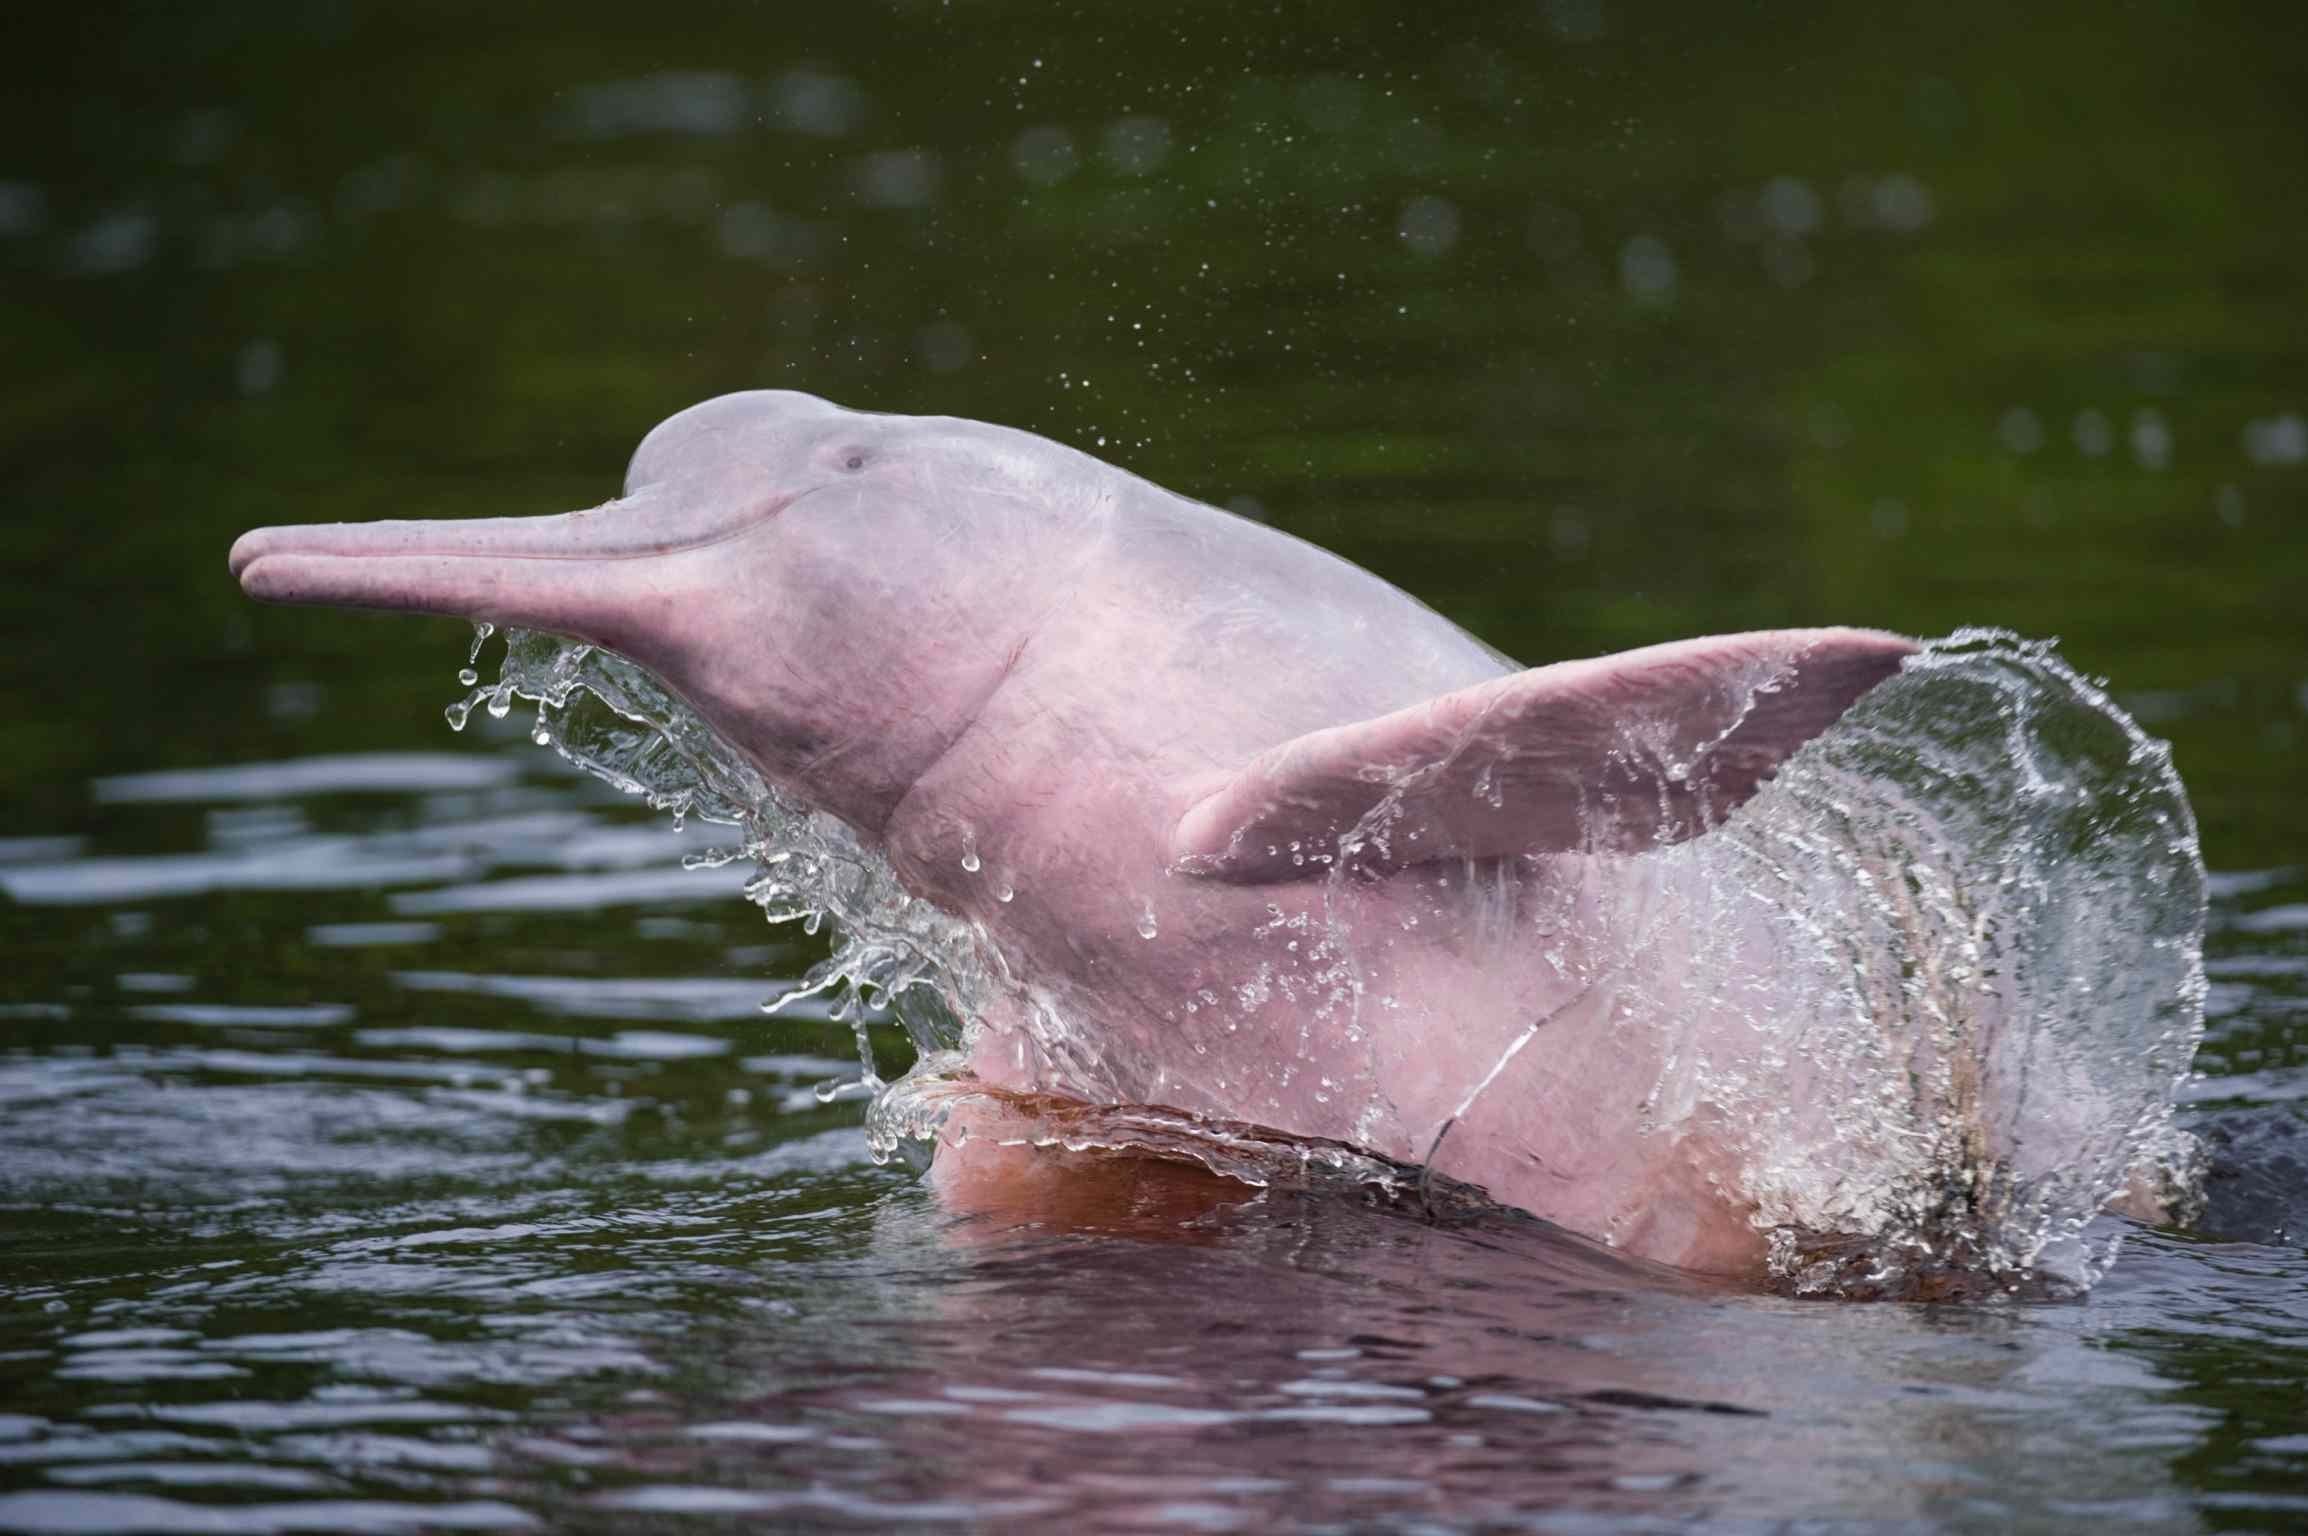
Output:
x=451 y=542
x=505 y=557
x=570 y=573
x=746 y=523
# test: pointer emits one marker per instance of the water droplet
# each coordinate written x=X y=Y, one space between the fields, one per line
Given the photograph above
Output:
x=1004 y=891
x=468 y=676
x=970 y=860
x=1146 y=925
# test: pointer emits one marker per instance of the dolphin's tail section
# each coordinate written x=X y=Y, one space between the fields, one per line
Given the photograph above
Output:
x=1614 y=754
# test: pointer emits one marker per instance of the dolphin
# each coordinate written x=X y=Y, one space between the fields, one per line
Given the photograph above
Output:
x=1259 y=836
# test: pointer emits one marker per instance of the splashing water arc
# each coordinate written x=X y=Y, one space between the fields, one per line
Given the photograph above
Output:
x=1948 y=961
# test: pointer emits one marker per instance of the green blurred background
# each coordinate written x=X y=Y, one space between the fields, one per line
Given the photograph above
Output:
x=1594 y=324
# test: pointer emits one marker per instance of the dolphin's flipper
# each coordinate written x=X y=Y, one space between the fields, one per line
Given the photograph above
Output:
x=1615 y=754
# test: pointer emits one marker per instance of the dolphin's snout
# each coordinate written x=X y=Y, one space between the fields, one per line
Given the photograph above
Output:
x=245 y=551
x=269 y=578
x=272 y=565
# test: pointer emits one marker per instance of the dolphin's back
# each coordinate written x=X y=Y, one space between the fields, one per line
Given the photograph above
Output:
x=1296 y=636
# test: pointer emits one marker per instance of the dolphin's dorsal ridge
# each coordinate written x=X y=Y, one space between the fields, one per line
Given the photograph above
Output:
x=1613 y=754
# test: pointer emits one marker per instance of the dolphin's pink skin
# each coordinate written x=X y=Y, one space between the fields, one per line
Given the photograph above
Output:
x=1016 y=669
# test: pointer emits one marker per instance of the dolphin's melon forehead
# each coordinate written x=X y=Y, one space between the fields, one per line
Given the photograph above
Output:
x=767 y=428
x=754 y=417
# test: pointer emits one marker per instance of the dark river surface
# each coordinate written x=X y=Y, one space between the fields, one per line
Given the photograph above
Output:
x=390 y=1138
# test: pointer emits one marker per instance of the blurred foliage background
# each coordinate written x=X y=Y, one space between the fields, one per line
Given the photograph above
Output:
x=1593 y=323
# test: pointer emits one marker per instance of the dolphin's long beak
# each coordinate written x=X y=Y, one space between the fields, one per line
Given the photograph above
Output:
x=576 y=573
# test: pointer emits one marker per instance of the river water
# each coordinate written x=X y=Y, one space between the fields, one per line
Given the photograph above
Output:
x=390 y=1135
x=398 y=1144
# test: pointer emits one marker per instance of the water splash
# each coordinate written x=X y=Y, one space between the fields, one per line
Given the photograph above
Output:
x=1931 y=991
x=890 y=950
x=1987 y=881
x=1248 y=1154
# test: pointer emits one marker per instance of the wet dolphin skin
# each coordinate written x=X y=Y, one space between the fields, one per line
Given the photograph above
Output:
x=1256 y=834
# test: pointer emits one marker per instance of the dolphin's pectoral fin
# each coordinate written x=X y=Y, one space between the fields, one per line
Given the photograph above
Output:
x=1616 y=754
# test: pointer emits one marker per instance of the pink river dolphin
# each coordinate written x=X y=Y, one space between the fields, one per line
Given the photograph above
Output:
x=1256 y=835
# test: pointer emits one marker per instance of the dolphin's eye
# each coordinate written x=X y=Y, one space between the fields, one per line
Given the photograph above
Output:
x=854 y=460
